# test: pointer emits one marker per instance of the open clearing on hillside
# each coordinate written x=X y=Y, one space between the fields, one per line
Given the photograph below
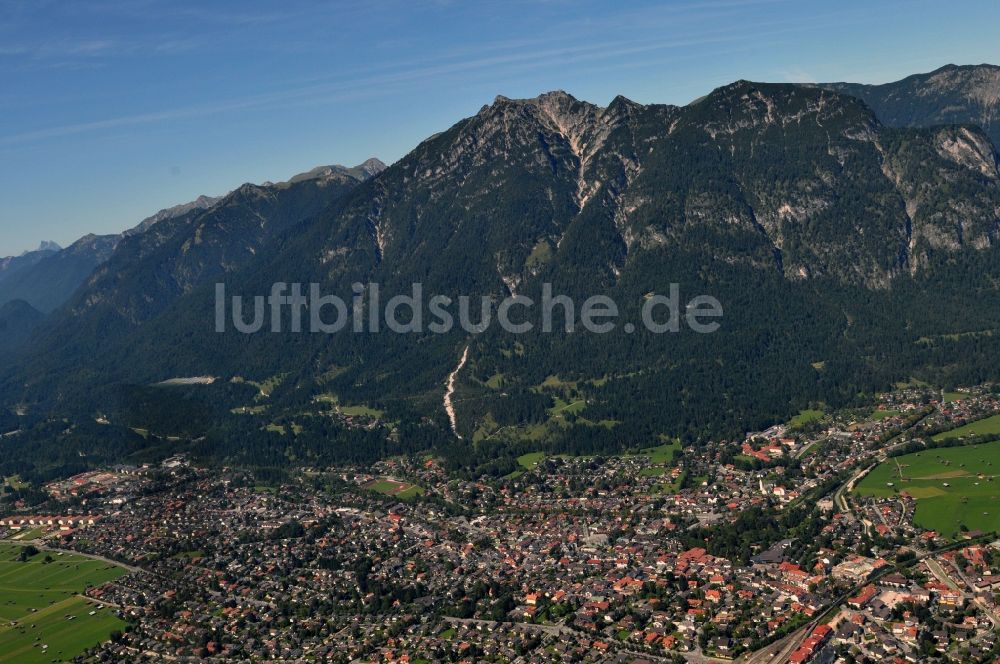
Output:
x=359 y=410
x=805 y=417
x=569 y=407
x=989 y=425
x=14 y=482
x=661 y=453
x=40 y=605
x=953 y=486
x=530 y=460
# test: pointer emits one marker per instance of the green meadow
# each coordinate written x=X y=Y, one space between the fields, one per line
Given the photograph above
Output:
x=953 y=486
x=805 y=417
x=530 y=460
x=986 y=426
x=40 y=605
x=661 y=453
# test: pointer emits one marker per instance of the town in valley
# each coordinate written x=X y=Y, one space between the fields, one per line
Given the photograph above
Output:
x=851 y=536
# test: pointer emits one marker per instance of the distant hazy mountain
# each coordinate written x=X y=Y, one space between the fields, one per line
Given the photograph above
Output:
x=48 y=283
x=11 y=265
x=369 y=168
x=950 y=95
x=47 y=277
x=149 y=270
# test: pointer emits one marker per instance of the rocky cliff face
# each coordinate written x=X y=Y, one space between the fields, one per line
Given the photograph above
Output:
x=801 y=180
x=953 y=159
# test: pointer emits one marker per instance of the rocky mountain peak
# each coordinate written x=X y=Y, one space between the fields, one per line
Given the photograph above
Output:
x=372 y=166
x=557 y=102
x=979 y=83
x=47 y=245
x=573 y=119
x=205 y=201
x=563 y=114
x=621 y=105
x=363 y=171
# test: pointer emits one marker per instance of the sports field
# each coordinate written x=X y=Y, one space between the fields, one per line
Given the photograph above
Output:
x=395 y=489
x=953 y=486
x=40 y=605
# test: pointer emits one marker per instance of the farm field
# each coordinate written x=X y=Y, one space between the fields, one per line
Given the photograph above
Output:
x=39 y=596
x=989 y=425
x=953 y=486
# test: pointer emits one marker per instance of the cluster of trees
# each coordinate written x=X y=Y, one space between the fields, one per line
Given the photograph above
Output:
x=756 y=529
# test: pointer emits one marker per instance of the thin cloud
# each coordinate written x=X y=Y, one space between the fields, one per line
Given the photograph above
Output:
x=352 y=87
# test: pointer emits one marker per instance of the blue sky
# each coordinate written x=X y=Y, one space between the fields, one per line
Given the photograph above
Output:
x=113 y=109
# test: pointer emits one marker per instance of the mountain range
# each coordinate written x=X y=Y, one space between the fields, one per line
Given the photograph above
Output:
x=47 y=277
x=850 y=233
x=950 y=95
x=11 y=265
